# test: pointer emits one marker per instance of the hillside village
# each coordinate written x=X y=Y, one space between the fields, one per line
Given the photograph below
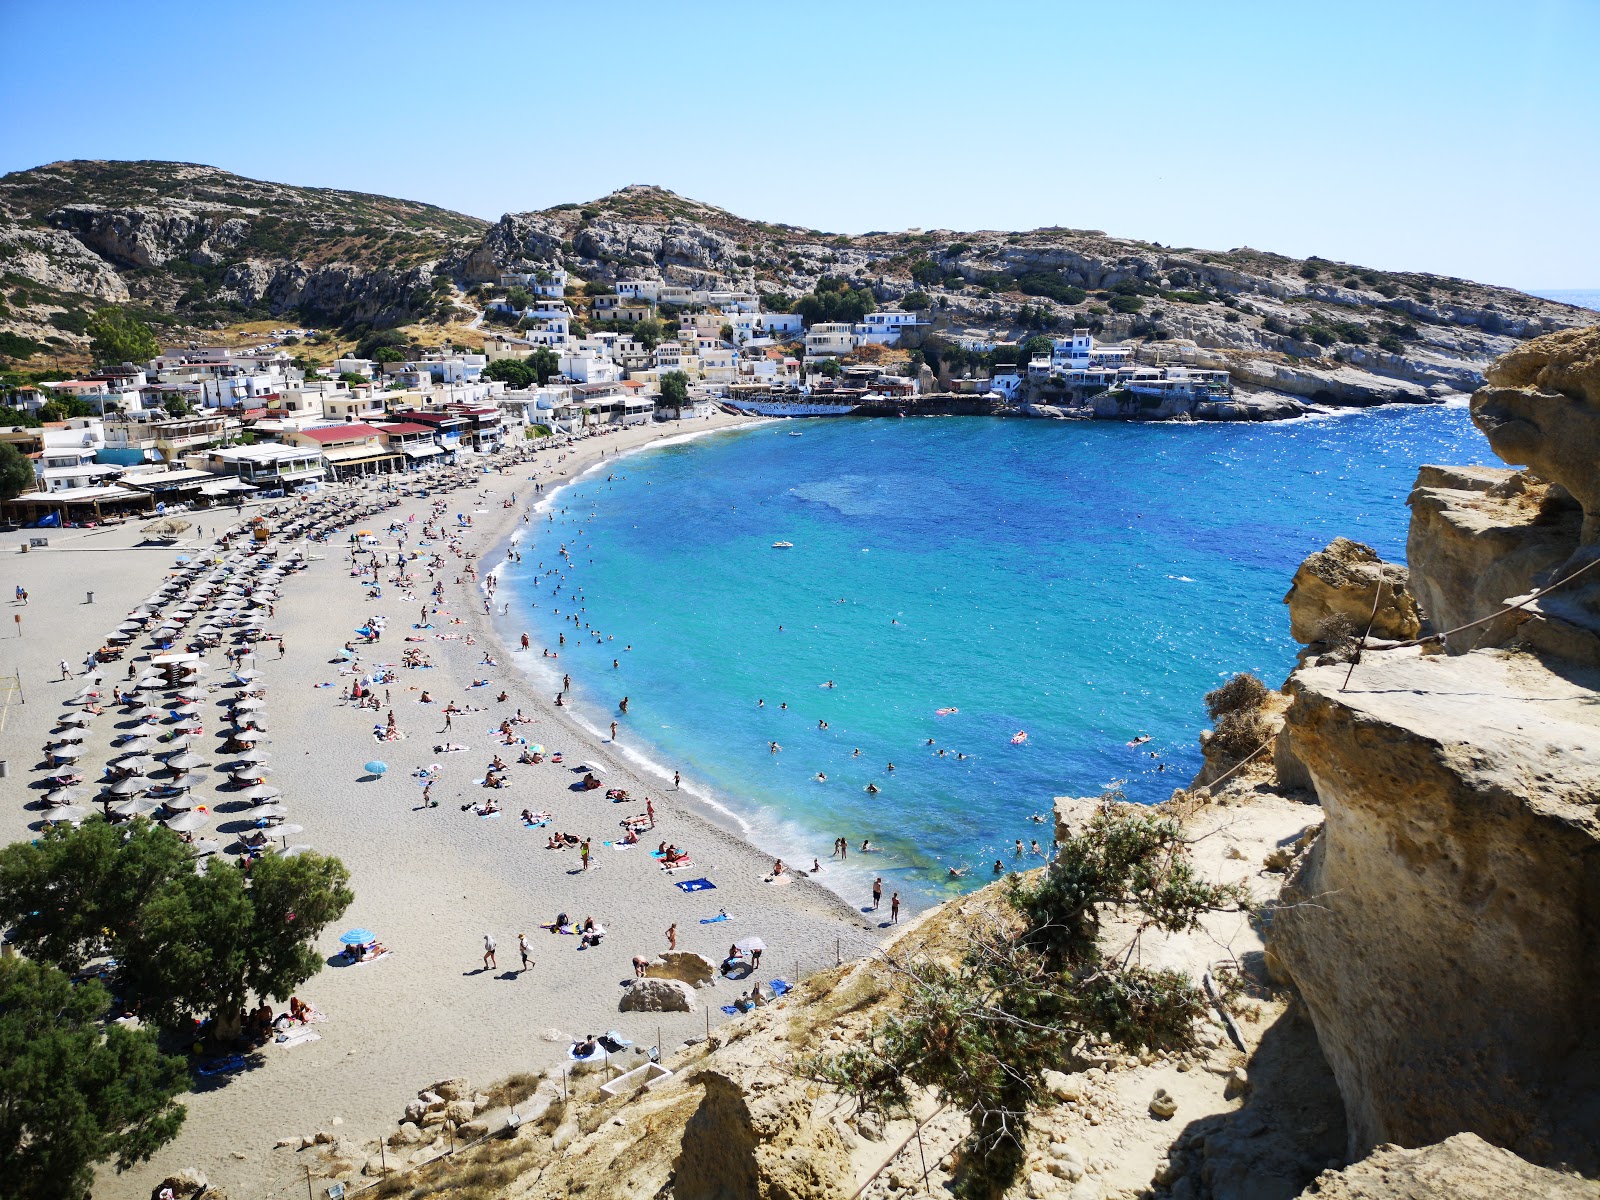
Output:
x=642 y=305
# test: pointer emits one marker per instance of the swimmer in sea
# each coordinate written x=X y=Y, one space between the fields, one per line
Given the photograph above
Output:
x=821 y=778
x=872 y=788
x=856 y=753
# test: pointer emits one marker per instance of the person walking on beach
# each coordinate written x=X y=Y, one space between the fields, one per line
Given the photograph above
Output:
x=894 y=909
x=877 y=892
x=488 y=951
x=650 y=811
x=446 y=719
x=583 y=853
x=677 y=782
x=672 y=936
x=522 y=949
x=66 y=671
x=613 y=731
x=282 y=650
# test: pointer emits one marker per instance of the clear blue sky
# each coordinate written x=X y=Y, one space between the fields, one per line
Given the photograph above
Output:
x=1455 y=137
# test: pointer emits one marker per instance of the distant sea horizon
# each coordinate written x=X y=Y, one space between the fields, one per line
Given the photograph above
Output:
x=1582 y=297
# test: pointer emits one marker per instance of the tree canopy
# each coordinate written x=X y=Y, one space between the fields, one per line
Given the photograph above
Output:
x=675 y=389
x=533 y=371
x=187 y=944
x=834 y=300
x=74 y=1090
x=116 y=337
x=16 y=472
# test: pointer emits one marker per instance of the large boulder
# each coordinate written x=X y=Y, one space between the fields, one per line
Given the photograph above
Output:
x=1479 y=537
x=1464 y=1167
x=658 y=995
x=684 y=965
x=1540 y=409
x=1345 y=579
x=1443 y=930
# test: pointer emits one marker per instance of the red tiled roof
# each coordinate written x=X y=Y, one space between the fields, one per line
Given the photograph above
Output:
x=341 y=433
x=404 y=427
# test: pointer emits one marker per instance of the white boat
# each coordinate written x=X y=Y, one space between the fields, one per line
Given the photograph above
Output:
x=783 y=545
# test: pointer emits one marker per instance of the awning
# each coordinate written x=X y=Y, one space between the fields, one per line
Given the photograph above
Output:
x=421 y=451
x=356 y=454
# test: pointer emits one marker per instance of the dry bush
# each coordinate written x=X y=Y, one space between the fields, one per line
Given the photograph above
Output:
x=1239 y=733
x=1243 y=693
x=513 y=1090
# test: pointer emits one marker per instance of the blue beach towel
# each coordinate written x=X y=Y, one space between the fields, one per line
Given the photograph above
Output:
x=222 y=1066
x=714 y=920
x=730 y=1010
x=694 y=885
x=779 y=987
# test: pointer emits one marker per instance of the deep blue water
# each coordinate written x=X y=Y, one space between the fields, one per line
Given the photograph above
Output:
x=1083 y=582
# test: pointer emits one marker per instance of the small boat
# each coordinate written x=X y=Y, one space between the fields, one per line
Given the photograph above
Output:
x=783 y=545
x=794 y=433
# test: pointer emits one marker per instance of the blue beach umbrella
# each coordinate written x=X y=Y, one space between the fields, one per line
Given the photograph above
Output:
x=357 y=937
x=376 y=768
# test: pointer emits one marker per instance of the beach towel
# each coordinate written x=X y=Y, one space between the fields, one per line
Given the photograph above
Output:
x=486 y=816
x=694 y=885
x=297 y=1037
x=222 y=1066
x=682 y=864
x=714 y=920
x=730 y=1010
x=535 y=824
x=779 y=987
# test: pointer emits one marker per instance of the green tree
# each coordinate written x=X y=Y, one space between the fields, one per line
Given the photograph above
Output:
x=116 y=337
x=187 y=945
x=16 y=472
x=915 y=301
x=374 y=340
x=1038 y=346
x=519 y=298
x=512 y=372
x=545 y=363
x=351 y=378
x=1034 y=982
x=176 y=406
x=648 y=332
x=675 y=390
x=73 y=1090
x=388 y=354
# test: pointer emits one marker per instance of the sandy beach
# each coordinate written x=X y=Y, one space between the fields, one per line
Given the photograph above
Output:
x=430 y=881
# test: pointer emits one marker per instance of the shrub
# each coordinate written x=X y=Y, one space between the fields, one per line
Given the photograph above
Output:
x=1239 y=734
x=1243 y=693
x=1126 y=304
x=914 y=301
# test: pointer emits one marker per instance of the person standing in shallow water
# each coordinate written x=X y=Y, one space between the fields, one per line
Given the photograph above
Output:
x=894 y=909
x=877 y=893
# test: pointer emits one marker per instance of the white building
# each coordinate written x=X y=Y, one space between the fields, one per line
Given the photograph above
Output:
x=884 y=328
x=830 y=339
x=586 y=366
x=1081 y=352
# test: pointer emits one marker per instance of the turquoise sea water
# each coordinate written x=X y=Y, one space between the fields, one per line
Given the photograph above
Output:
x=1582 y=297
x=1085 y=583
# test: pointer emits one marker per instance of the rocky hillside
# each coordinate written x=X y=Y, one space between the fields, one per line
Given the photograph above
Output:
x=202 y=246
x=199 y=247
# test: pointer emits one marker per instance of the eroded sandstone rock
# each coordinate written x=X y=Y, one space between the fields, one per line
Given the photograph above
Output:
x=1464 y=1167
x=658 y=995
x=685 y=966
x=1343 y=580
x=1442 y=930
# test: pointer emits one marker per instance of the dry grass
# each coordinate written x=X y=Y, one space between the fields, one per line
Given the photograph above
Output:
x=513 y=1090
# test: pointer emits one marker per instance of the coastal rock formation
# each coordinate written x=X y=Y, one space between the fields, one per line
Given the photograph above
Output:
x=1347 y=579
x=764 y=1147
x=658 y=995
x=1479 y=537
x=1464 y=1167
x=1541 y=409
x=1442 y=929
x=685 y=966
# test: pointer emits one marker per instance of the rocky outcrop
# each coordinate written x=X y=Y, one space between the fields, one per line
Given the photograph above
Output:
x=1443 y=930
x=1479 y=537
x=739 y=1146
x=1541 y=409
x=658 y=995
x=1464 y=1167
x=1337 y=385
x=685 y=966
x=1347 y=579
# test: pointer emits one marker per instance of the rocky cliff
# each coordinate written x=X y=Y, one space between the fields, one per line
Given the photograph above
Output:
x=1444 y=930
x=203 y=246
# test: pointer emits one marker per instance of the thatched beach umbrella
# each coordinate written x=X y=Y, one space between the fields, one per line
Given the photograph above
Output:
x=262 y=791
x=188 y=822
x=129 y=787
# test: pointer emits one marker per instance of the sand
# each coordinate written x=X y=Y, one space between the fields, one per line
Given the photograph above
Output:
x=429 y=881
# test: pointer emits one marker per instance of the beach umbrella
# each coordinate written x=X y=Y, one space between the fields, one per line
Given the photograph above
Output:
x=250 y=703
x=78 y=718
x=69 y=737
x=189 y=779
x=147 y=711
x=247 y=735
x=251 y=772
x=128 y=787
x=255 y=755
x=357 y=937
x=192 y=693
x=200 y=847
x=247 y=674
x=184 y=760
x=65 y=795
x=129 y=626
x=67 y=752
x=270 y=812
x=288 y=831
x=182 y=803
x=188 y=822
x=72 y=813
x=593 y=768
x=135 y=806
x=750 y=944
x=292 y=851
x=262 y=791
x=149 y=685
x=136 y=745
x=187 y=709
x=376 y=768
